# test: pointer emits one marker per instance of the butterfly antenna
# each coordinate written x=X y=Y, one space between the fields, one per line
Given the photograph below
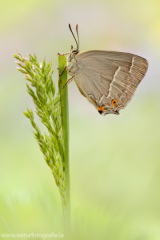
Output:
x=77 y=34
x=73 y=34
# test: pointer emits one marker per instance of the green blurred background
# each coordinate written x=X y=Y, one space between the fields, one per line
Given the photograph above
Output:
x=114 y=161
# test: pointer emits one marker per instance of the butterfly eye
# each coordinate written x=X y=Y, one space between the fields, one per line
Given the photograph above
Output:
x=114 y=101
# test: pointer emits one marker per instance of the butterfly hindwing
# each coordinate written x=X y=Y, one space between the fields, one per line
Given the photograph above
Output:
x=109 y=79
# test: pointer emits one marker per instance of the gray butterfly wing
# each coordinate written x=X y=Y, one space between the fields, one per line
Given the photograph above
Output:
x=109 y=79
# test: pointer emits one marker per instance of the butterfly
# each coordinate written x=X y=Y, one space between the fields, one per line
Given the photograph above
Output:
x=108 y=79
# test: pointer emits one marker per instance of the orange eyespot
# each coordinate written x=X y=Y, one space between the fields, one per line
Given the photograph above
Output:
x=100 y=109
x=114 y=101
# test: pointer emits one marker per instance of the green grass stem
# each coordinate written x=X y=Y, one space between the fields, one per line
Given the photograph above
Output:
x=65 y=127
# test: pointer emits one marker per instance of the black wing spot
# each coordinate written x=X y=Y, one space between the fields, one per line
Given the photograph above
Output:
x=100 y=112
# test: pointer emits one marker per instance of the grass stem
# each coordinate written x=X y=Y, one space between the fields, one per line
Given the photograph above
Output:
x=65 y=127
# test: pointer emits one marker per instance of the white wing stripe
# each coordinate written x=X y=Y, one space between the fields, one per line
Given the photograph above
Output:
x=116 y=72
x=130 y=70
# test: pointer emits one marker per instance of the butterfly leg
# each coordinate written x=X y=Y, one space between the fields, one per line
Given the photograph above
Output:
x=62 y=54
x=63 y=70
x=69 y=80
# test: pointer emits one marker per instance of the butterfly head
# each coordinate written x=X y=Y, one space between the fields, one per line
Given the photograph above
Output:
x=74 y=50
